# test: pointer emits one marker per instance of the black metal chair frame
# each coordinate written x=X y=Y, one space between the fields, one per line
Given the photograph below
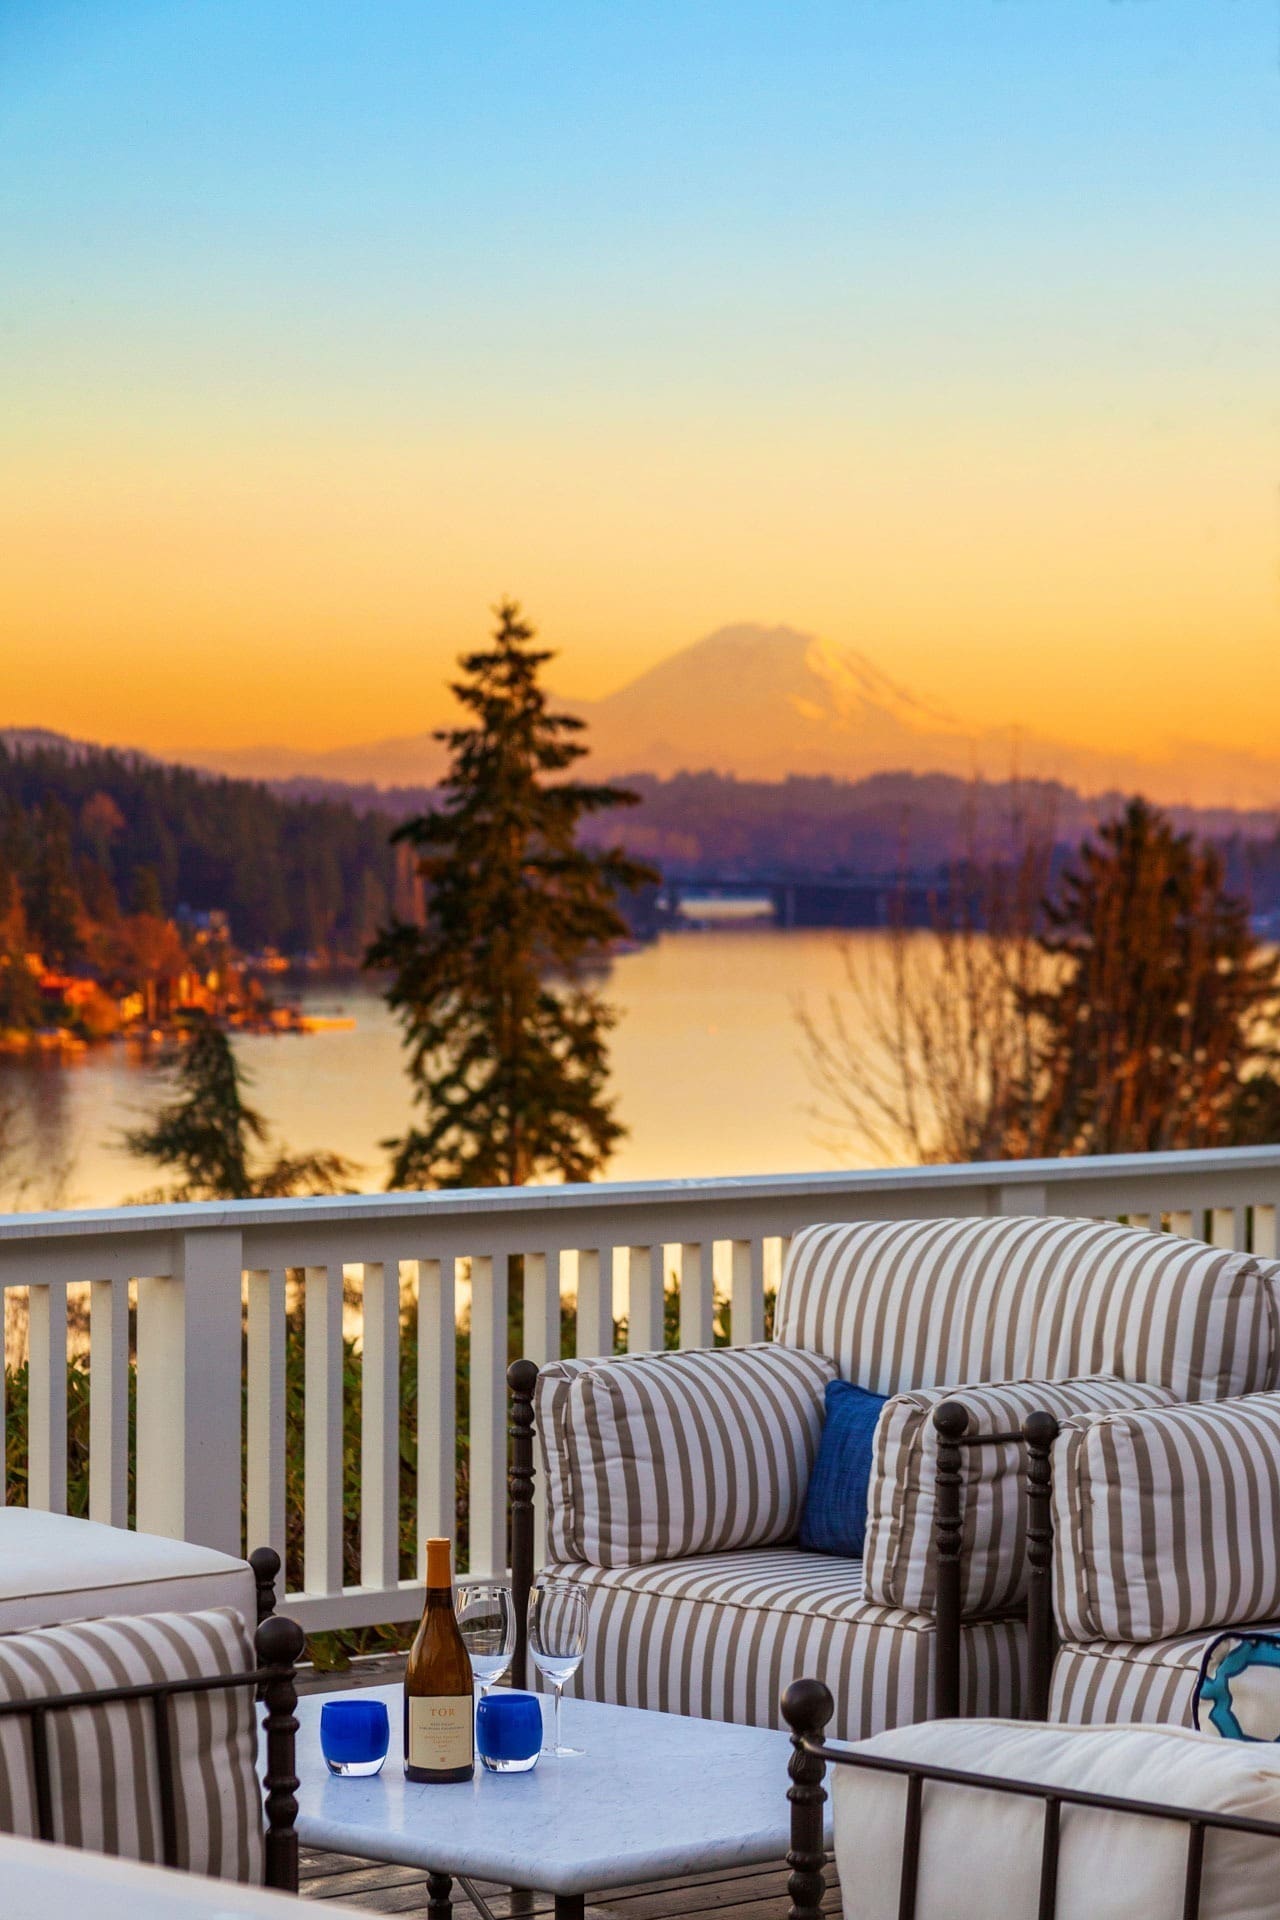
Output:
x=951 y=1421
x=807 y=1706
x=277 y=1644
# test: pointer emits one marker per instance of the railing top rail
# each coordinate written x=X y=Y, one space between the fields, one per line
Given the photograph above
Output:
x=505 y=1202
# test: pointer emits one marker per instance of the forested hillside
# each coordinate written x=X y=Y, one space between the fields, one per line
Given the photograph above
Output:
x=135 y=835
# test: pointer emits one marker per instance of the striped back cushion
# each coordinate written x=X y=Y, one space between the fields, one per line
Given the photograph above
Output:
x=681 y=1453
x=1166 y=1522
x=899 y=1569
x=550 y=1400
x=103 y=1761
x=923 y=1303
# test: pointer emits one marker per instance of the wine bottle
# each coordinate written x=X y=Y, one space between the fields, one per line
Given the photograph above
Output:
x=439 y=1713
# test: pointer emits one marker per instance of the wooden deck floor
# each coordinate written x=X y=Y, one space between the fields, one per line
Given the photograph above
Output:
x=749 y=1893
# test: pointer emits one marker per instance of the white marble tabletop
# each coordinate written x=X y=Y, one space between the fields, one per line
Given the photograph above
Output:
x=651 y=1794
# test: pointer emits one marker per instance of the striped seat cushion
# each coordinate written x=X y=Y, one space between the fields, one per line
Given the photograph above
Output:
x=1167 y=1520
x=904 y=1304
x=1110 y=1680
x=684 y=1453
x=103 y=1760
x=720 y=1636
x=900 y=1567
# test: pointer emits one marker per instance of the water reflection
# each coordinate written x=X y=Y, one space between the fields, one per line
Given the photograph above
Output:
x=709 y=1076
x=40 y=1133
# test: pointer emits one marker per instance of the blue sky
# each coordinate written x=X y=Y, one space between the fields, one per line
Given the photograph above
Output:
x=659 y=314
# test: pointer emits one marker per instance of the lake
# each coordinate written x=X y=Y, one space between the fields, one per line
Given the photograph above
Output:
x=709 y=1073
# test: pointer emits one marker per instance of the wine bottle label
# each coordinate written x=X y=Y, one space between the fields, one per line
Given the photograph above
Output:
x=441 y=1731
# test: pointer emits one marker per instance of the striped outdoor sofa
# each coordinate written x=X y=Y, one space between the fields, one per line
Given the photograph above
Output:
x=1166 y=1532
x=673 y=1483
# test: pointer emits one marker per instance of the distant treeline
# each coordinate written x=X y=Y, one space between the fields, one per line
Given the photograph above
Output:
x=305 y=866
x=892 y=823
x=300 y=875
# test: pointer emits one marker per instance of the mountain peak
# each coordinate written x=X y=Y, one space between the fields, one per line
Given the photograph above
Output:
x=765 y=701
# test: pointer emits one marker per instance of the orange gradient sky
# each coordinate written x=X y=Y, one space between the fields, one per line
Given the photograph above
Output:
x=946 y=330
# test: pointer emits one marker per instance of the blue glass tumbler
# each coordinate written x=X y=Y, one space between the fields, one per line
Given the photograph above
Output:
x=354 y=1736
x=509 y=1730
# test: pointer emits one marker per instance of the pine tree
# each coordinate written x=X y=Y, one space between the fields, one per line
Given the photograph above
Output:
x=54 y=908
x=506 y=1037
x=207 y=1135
x=1158 y=1018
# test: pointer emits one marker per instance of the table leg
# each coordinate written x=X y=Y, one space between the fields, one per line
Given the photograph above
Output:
x=521 y=1900
x=570 y=1906
x=439 y=1897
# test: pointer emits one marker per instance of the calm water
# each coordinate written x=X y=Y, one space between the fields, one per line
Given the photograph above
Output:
x=709 y=1073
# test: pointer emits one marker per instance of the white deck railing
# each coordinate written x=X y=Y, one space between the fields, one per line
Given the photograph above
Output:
x=210 y=1285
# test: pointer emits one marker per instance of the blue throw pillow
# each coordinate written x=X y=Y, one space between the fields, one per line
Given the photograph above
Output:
x=835 y=1506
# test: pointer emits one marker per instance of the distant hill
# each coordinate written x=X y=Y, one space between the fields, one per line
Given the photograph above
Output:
x=303 y=862
x=766 y=702
x=703 y=824
x=303 y=875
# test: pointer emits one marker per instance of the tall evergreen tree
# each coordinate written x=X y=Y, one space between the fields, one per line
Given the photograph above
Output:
x=1158 y=1017
x=506 y=1037
x=54 y=907
x=208 y=1135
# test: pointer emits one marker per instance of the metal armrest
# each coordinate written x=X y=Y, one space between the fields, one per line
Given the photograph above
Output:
x=522 y=1378
x=1038 y=1433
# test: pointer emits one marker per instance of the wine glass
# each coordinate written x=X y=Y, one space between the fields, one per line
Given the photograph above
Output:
x=557 y=1641
x=487 y=1623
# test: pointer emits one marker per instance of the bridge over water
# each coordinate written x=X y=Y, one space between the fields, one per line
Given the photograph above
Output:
x=805 y=900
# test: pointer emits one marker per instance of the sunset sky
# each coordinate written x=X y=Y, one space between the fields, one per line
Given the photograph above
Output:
x=946 y=328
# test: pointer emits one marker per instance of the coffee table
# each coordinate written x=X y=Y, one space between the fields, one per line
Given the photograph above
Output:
x=651 y=1795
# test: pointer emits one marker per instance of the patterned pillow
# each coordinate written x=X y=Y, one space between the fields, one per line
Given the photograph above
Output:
x=680 y=1453
x=899 y=1569
x=1167 y=1521
x=1238 y=1688
x=103 y=1760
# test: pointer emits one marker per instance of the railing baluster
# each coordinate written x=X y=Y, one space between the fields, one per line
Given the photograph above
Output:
x=1222 y=1228
x=380 y=1426
x=266 y=1393
x=541 y=1307
x=595 y=1302
x=645 y=1319
x=746 y=1309
x=1264 y=1233
x=437 y=1400
x=109 y=1401
x=487 y=1478
x=541 y=1344
x=323 y=1430
x=697 y=1296
x=47 y=1398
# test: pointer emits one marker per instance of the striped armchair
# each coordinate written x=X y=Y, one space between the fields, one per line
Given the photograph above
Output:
x=1166 y=1526
x=137 y=1735
x=674 y=1483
